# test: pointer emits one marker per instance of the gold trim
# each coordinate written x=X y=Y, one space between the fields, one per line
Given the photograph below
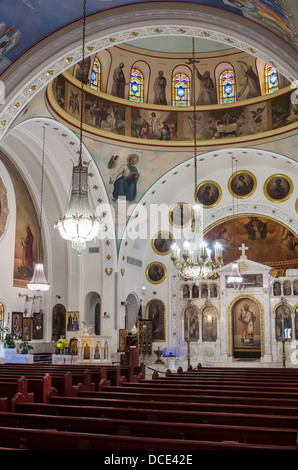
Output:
x=150 y=266
x=164 y=319
x=230 y=308
x=171 y=210
x=170 y=236
x=237 y=173
x=209 y=182
x=277 y=176
x=4 y=208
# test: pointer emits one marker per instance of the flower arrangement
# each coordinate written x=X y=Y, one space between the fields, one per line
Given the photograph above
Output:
x=61 y=345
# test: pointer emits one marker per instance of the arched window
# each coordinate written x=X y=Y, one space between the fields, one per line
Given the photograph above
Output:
x=136 y=86
x=95 y=76
x=271 y=79
x=180 y=90
x=1 y=320
x=227 y=87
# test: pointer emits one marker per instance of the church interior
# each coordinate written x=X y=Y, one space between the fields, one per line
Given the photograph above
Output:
x=148 y=214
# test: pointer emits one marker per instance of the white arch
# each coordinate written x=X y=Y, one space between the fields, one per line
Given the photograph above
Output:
x=36 y=68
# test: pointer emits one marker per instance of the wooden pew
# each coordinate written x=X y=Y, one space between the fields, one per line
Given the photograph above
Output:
x=206 y=396
x=15 y=390
x=199 y=417
x=210 y=405
x=139 y=428
x=37 y=439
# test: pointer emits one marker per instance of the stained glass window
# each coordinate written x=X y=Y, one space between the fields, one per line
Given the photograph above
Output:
x=227 y=87
x=95 y=76
x=1 y=319
x=136 y=86
x=271 y=79
x=180 y=90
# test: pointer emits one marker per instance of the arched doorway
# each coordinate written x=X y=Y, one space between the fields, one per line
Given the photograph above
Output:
x=93 y=311
x=132 y=306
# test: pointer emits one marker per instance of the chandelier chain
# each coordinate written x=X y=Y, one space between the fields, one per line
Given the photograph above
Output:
x=194 y=113
x=82 y=82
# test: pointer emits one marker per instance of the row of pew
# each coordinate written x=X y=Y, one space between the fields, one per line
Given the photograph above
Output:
x=118 y=409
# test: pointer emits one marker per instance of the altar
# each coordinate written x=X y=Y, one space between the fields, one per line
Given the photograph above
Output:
x=232 y=323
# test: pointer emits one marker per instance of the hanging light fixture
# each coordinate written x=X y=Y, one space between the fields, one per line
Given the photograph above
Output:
x=79 y=224
x=38 y=281
x=194 y=259
x=235 y=276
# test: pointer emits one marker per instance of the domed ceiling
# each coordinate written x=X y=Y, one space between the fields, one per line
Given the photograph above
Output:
x=32 y=20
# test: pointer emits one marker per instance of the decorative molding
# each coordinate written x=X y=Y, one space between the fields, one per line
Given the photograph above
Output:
x=26 y=77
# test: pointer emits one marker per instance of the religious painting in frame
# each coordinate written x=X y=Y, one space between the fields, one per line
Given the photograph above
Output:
x=97 y=351
x=181 y=215
x=162 y=242
x=283 y=322
x=37 y=332
x=242 y=184
x=246 y=326
x=17 y=325
x=191 y=323
x=145 y=336
x=156 y=312
x=73 y=346
x=122 y=339
x=58 y=322
x=209 y=323
x=72 y=321
x=27 y=329
x=156 y=272
x=208 y=194
x=86 y=351
x=278 y=188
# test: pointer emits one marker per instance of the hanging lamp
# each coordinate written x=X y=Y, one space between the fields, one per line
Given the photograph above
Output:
x=193 y=259
x=79 y=224
x=38 y=281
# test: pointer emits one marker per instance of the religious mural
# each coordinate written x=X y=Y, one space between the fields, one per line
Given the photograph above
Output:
x=268 y=241
x=163 y=125
x=36 y=20
x=27 y=237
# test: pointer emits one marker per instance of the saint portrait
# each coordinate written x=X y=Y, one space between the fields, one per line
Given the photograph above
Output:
x=125 y=179
x=246 y=321
x=58 y=322
x=180 y=215
x=242 y=184
x=278 y=188
x=191 y=323
x=156 y=272
x=283 y=322
x=17 y=325
x=156 y=312
x=162 y=242
x=208 y=194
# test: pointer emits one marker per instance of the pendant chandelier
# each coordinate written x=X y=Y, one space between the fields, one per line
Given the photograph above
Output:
x=79 y=224
x=193 y=259
x=38 y=281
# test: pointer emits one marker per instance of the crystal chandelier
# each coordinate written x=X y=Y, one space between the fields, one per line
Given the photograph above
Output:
x=38 y=281
x=79 y=224
x=194 y=259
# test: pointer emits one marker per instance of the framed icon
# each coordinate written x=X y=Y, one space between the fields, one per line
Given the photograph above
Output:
x=278 y=188
x=208 y=194
x=156 y=272
x=156 y=312
x=242 y=184
x=161 y=243
x=181 y=215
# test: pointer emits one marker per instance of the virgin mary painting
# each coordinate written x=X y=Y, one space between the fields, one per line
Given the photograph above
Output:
x=125 y=179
